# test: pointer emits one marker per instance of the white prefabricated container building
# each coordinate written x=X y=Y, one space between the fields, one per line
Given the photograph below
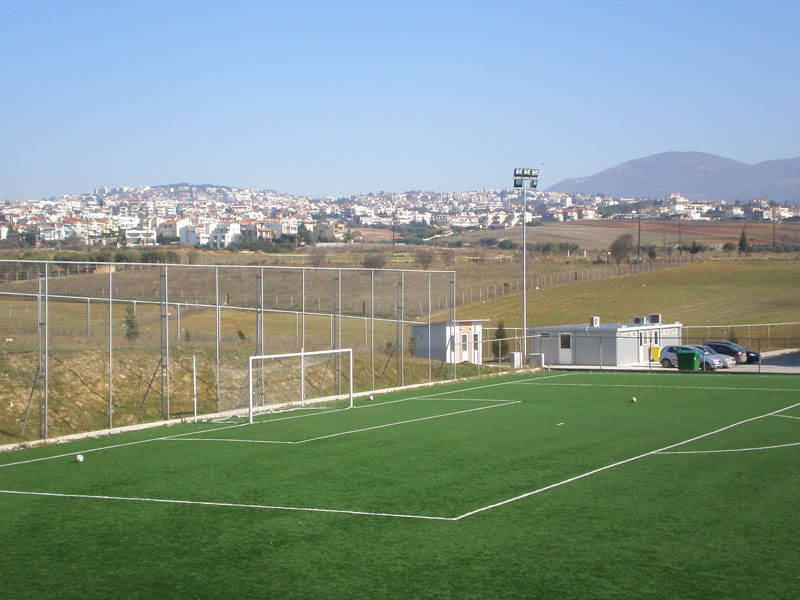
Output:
x=449 y=341
x=606 y=344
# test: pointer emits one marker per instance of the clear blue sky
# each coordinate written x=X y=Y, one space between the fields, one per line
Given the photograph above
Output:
x=329 y=98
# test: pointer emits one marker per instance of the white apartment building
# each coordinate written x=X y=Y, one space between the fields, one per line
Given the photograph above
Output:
x=224 y=234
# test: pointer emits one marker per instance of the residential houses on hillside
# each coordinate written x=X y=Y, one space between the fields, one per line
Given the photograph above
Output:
x=218 y=216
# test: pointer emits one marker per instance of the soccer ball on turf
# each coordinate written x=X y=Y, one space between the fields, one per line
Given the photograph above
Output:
x=79 y=458
x=371 y=397
x=633 y=399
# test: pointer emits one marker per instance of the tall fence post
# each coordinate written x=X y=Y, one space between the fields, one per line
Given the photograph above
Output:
x=110 y=346
x=46 y=348
x=217 y=310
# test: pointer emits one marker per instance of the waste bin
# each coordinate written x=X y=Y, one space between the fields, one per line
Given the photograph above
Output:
x=655 y=353
x=688 y=360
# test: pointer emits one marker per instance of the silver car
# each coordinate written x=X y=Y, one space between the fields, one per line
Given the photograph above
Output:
x=708 y=362
x=727 y=361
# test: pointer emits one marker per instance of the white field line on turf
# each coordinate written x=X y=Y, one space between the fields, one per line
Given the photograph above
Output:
x=670 y=387
x=621 y=462
x=341 y=433
x=188 y=433
x=230 y=505
x=166 y=437
x=113 y=446
x=731 y=449
x=316 y=414
x=739 y=449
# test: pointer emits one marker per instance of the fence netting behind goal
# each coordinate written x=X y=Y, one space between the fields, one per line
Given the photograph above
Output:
x=289 y=381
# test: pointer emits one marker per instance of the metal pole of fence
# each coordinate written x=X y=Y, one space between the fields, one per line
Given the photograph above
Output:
x=339 y=332
x=759 y=356
x=40 y=340
x=402 y=328
x=166 y=330
x=110 y=347
x=194 y=385
x=88 y=317
x=216 y=304
x=260 y=333
x=430 y=368
x=46 y=346
x=454 y=369
x=372 y=314
x=303 y=336
x=600 y=339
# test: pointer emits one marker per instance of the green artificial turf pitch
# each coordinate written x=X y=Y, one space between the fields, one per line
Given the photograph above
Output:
x=550 y=485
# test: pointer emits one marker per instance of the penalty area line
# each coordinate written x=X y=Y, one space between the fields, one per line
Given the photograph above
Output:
x=341 y=433
x=228 y=505
x=618 y=463
x=731 y=449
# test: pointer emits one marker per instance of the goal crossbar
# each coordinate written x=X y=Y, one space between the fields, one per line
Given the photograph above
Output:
x=345 y=352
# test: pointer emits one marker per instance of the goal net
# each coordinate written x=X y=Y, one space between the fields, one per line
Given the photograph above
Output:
x=277 y=382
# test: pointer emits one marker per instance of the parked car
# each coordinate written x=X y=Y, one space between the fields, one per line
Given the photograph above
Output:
x=727 y=361
x=742 y=355
x=708 y=361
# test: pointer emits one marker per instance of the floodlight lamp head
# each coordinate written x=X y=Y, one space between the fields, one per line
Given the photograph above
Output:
x=517 y=172
x=518 y=183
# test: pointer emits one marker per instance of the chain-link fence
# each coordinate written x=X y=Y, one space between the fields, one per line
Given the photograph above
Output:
x=763 y=337
x=88 y=346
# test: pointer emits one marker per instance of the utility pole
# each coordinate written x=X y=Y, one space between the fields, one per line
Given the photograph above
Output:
x=639 y=236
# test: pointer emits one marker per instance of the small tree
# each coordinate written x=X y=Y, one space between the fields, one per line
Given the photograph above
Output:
x=319 y=258
x=412 y=345
x=621 y=247
x=500 y=347
x=306 y=238
x=424 y=258
x=728 y=247
x=448 y=258
x=131 y=326
x=506 y=245
x=374 y=260
x=651 y=253
x=696 y=248
x=743 y=247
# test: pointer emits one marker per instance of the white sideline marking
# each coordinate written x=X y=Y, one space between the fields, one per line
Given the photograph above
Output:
x=786 y=416
x=33 y=460
x=616 y=464
x=731 y=449
x=670 y=387
x=230 y=505
x=332 y=435
x=112 y=446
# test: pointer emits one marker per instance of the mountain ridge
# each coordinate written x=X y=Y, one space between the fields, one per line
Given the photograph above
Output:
x=698 y=176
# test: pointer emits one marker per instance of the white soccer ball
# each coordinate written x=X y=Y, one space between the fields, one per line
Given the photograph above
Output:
x=633 y=399
x=371 y=397
x=79 y=458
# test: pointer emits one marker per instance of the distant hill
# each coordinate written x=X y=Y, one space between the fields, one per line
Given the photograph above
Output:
x=694 y=175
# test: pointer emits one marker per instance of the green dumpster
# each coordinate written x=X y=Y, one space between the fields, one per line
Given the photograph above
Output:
x=688 y=360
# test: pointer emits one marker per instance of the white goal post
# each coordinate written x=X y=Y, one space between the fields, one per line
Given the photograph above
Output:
x=299 y=378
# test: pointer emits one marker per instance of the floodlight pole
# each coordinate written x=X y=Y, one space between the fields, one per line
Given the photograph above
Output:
x=524 y=179
x=524 y=274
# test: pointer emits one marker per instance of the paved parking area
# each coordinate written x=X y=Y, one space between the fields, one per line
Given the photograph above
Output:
x=780 y=362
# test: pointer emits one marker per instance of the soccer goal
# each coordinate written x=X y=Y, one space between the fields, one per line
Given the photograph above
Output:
x=300 y=380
